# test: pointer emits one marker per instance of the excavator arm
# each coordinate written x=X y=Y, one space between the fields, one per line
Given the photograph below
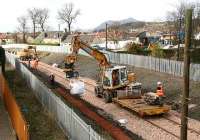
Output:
x=77 y=44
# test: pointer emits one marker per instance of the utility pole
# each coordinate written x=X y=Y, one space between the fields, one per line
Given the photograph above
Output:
x=179 y=39
x=186 y=76
x=59 y=33
x=106 y=36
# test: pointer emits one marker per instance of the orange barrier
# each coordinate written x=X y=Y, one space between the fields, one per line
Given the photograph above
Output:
x=18 y=121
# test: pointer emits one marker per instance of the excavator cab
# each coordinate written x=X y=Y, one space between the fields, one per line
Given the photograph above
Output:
x=69 y=66
x=117 y=81
x=115 y=77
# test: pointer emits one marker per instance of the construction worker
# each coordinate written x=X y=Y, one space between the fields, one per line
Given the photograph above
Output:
x=35 y=63
x=2 y=59
x=159 y=90
x=159 y=93
x=29 y=63
x=52 y=79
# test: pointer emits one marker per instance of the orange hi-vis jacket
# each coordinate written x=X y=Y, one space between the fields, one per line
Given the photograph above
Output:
x=34 y=64
x=160 y=91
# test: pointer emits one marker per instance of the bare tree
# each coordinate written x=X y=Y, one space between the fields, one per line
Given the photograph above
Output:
x=196 y=17
x=22 y=26
x=33 y=14
x=176 y=17
x=68 y=14
x=43 y=15
x=114 y=32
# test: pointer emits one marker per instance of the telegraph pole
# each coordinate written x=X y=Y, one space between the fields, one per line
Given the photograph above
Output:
x=59 y=33
x=106 y=36
x=179 y=39
x=186 y=76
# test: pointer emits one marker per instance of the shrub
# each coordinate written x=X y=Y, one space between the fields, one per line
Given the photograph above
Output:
x=134 y=48
x=156 y=51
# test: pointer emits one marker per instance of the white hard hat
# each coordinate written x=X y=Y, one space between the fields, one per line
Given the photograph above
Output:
x=159 y=83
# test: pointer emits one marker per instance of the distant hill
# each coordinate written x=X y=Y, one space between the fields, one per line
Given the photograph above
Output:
x=102 y=26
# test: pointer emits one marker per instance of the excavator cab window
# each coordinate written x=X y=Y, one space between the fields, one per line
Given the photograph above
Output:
x=123 y=74
x=115 y=77
x=106 y=81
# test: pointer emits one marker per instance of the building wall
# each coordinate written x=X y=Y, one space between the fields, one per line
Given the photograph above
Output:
x=51 y=41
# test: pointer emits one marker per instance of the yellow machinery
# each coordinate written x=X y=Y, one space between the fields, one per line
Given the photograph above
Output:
x=114 y=79
x=27 y=53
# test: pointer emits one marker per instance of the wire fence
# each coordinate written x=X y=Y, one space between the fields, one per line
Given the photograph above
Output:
x=71 y=124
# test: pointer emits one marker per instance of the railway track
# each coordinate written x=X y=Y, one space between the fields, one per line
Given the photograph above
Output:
x=174 y=122
x=165 y=123
x=190 y=128
x=161 y=127
x=112 y=129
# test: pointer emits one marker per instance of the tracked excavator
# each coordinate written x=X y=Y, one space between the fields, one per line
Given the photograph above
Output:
x=113 y=79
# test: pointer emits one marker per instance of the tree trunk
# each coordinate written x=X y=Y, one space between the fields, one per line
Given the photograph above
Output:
x=42 y=27
x=24 y=37
x=34 y=31
x=69 y=28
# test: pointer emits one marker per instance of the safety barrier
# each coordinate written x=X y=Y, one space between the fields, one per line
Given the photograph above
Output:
x=17 y=119
x=72 y=125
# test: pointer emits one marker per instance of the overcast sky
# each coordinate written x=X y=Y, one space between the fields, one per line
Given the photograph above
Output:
x=93 y=12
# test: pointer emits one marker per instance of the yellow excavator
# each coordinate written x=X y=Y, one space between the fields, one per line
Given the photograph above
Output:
x=27 y=53
x=114 y=79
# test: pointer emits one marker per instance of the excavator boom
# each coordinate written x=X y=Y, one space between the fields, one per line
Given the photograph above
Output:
x=99 y=56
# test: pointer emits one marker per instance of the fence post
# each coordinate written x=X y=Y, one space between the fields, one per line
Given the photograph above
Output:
x=90 y=133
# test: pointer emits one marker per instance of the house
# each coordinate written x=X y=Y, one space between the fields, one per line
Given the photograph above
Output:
x=51 y=37
x=6 y=38
x=142 y=37
x=85 y=37
x=18 y=38
x=2 y=38
x=168 y=39
x=133 y=36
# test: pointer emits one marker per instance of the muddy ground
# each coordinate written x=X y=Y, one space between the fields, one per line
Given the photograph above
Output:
x=42 y=126
x=173 y=86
